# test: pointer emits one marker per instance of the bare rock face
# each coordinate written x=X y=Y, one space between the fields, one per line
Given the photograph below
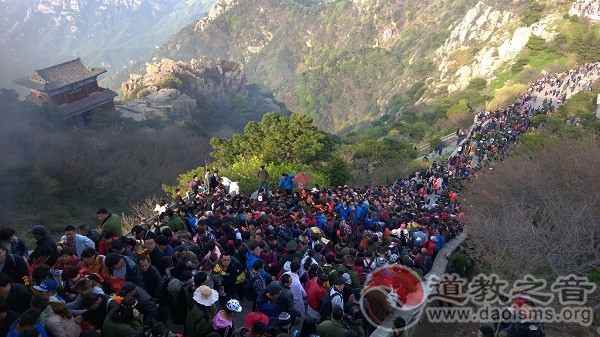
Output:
x=495 y=30
x=213 y=79
x=176 y=87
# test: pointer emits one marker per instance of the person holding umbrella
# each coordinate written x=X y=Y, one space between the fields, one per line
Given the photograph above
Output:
x=302 y=180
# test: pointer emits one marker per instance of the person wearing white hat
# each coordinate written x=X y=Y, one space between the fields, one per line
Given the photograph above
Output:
x=201 y=312
x=223 y=321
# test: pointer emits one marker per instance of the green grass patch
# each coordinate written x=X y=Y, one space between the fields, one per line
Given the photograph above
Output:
x=543 y=59
x=500 y=80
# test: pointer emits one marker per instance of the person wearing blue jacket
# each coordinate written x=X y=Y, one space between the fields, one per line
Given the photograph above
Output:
x=344 y=210
x=265 y=303
x=76 y=241
x=360 y=213
x=370 y=221
x=321 y=221
x=440 y=242
x=287 y=183
x=30 y=319
x=253 y=255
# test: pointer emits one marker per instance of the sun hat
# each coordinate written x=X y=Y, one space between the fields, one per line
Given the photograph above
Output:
x=206 y=296
x=234 y=305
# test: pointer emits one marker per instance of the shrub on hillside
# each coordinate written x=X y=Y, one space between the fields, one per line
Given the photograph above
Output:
x=532 y=13
x=169 y=81
x=506 y=95
x=522 y=208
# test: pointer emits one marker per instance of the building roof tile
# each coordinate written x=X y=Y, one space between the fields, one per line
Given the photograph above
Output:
x=90 y=102
x=59 y=75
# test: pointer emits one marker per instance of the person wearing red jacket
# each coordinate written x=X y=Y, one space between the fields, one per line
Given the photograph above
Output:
x=430 y=245
x=315 y=290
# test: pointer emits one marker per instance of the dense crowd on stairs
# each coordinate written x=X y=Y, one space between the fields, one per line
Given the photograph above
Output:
x=292 y=261
x=586 y=8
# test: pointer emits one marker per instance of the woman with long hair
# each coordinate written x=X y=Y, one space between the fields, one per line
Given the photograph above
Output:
x=124 y=320
x=60 y=322
x=55 y=317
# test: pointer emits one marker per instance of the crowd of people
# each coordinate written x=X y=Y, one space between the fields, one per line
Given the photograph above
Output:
x=297 y=259
x=587 y=8
x=556 y=89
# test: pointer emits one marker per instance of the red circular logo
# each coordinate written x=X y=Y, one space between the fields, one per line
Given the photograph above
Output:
x=398 y=285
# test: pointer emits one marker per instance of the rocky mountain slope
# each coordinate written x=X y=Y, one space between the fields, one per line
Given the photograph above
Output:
x=107 y=33
x=213 y=93
x=345 y=62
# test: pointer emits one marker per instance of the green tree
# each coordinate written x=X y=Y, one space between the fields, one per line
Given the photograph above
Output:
x=477 y=84
x=536 y=43
x=435 y=142
x=461 y=107
x=275 y=139
x=169 y=81
x=519 y=64
x=337 y=171
x=8 y=97
x=532 y=13
x=381 y=150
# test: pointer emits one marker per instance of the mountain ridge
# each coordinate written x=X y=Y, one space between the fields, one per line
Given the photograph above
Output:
x=344 y=62
x=108 y=33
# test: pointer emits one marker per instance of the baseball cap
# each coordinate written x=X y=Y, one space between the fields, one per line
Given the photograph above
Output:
x=46 y=285
x=254 y=318
x=127 y=287
x=37 y=230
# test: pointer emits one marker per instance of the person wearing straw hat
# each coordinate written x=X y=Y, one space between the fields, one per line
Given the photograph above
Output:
x=201 y=312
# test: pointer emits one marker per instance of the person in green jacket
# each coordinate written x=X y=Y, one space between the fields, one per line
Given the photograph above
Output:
x=123 y=320
x=349 y=268
x=334 y=327
x=110 y=222
x=291 y=253
x=285 y=301
x=460 y=262
x=353 y=318
x=175 y=222
x=329 y=268
x=201 y=312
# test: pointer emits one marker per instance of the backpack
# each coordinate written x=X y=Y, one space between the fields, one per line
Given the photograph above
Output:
x=248 y=285
x=368 y=267
x=325 y=305
x=380 y=262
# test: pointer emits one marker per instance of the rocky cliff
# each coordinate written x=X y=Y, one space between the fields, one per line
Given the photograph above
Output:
x=496 y=34
x=197 y=90
x=346 y=62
